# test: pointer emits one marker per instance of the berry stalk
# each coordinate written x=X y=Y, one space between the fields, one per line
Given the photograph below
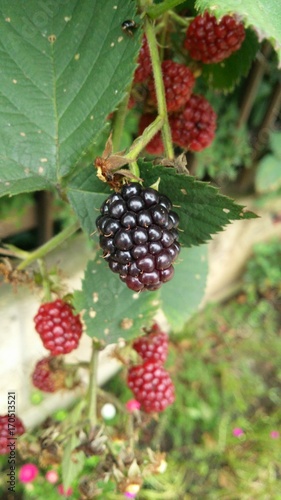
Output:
x=159 y=88
x=49 y=246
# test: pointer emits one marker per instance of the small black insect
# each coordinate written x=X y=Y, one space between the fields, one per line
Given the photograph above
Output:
x=129 y=26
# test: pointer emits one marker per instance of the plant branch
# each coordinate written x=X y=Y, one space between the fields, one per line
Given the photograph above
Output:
x=53 y=243
x=159 y=88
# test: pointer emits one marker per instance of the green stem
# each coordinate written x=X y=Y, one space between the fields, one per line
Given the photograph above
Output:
x=159 y=87
x=93 y=386
x=158 y=9
x=183 y=21
x=144 y=139
x=49 y=246
x=118 y=123
x=45 y=281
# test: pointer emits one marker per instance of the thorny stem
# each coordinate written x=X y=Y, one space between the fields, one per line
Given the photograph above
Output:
x=53 y=243
x=159 y=87
x=92 y=392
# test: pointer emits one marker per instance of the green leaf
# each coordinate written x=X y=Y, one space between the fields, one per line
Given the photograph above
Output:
x=64 y=66
x=202 y=210
x=181 y=297
x=264 y=16
x=86 y=194
x=225 y=75
x=268 y=175
x=110 y=310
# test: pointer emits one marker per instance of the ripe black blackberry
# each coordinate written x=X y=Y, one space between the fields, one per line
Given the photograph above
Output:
x=138 y=236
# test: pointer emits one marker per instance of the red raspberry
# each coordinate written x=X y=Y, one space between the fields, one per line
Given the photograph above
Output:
x=153 y=346
x=47 y=376
x=144 y=63
x=152 y=386
x=194 y=127
x=178 y=82
x=59 y=329
x=10 y=427
x=211 y=41
x=155 y=146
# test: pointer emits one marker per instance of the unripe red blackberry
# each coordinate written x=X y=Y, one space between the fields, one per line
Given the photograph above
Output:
x=194 y=127
x=178 y=82
x=60 y=330
x=152 y=386
x=48 y=376
x=153 y=346
x=144 y=68
x=211 y=41
x=10 y=427
x=138 y=236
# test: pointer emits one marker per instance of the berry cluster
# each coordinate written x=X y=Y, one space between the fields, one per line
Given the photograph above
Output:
x=191 y=117
x=10 y=428
x=60 y=330
x=149 y=381
x=138 y=236
x=211 y=41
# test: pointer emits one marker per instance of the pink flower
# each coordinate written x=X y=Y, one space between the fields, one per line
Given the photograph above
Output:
x=27 y=473
x=238 y=432
x=52 y=476
x=132 y=405
x=129 y=495
x=62 y=491
x=274 y=434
